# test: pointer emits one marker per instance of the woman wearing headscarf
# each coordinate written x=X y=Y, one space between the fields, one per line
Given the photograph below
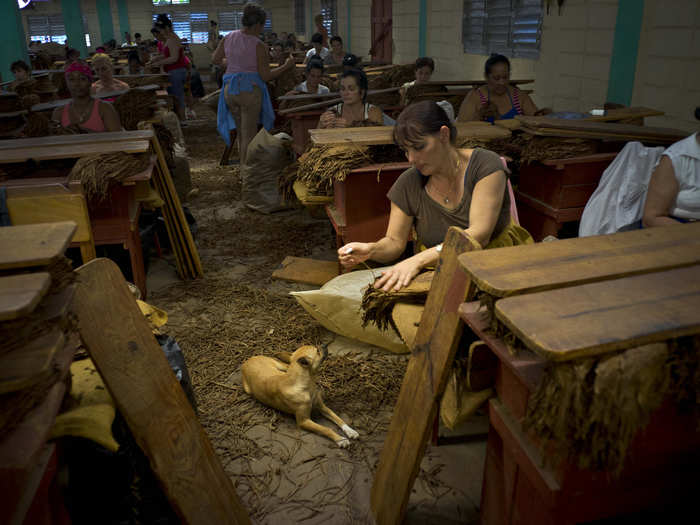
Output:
x=86 y=113
x=244 y=101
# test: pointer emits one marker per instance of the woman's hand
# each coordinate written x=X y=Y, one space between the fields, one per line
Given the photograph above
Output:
x=354 y=253
x=399 y=275
x=489 y=110
x=289 y=63
x=328 y=119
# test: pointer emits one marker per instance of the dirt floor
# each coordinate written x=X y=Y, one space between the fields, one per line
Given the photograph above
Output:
x=283 y=474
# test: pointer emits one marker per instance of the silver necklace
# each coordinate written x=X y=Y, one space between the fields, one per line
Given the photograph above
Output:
x=446 y=198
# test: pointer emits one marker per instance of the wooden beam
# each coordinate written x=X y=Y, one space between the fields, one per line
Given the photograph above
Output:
x=34 y=244
x=423 y=384
x=147 y=394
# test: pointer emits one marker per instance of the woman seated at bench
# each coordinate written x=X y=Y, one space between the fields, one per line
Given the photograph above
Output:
x=445 y=187
x=354 y=108
x=86 y=113
x=106 y=81
x=497 y=100
x=424 y=69
x=674 y=189
x=312 y=84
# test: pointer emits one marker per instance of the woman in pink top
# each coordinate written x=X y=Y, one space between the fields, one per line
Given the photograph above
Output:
x=87 y=113
x=244 y=101
x=174 y=61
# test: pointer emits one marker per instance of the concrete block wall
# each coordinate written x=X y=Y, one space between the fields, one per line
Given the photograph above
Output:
x=574 y=65
x=404 y=30
x=668 y=63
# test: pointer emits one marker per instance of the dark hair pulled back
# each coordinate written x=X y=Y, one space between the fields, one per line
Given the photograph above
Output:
x=253 y=14
x=163 y=21
x=493 y=60
x=420 y=120
x=360 y=79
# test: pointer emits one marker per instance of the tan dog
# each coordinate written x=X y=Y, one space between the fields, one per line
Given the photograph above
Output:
x=289 y=385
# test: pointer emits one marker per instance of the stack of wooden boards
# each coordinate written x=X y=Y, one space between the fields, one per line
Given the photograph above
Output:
x=377 y=135
x=551 y=127
x=38 y=345
x=567 y=302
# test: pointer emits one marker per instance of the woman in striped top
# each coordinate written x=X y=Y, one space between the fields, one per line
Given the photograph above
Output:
x=497 y=100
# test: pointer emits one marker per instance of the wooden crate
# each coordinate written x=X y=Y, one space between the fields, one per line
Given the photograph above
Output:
x=360 y=210
x=553 y=192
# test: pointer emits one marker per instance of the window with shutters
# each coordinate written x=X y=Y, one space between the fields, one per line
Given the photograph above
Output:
x=508 y=27
x=87 y=32
x=299 y=17
x=47 y=29
x=170 y=2
x=230 y=21
x=329 y=13
x=200 y=27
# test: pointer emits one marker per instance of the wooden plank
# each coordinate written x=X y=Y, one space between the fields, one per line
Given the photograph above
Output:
x=624 y=114
x=599 y=135
x=423 y=384
x=173 y=207
x=33 y=245
x=27 y=366
x=19 y=294
x=138 y=376
x=375 y=135
x=86 y=138
x=478 y=82
x=309 y=271
x=69 y=151
x=572 y=262
x=333 y=94
x=598 y=318
x=603 y=128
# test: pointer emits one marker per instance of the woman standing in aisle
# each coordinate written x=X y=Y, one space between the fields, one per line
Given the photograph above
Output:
x=244 y=101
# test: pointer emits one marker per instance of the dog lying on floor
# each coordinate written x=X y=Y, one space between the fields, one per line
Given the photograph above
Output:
x=288 y=383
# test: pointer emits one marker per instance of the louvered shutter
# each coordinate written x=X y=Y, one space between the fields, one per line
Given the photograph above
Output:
x=474 y=27
x=39 y=28
x=229 y=21
x=181 y=25
x=200 y=27
x=526 y=32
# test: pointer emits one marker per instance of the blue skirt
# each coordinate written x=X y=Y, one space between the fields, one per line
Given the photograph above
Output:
x=238 y=82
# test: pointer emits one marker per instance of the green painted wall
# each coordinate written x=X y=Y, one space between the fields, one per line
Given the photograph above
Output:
x=123 y=20
x=13 y=44
x=75 y=30
x=104 y=14
x=628 y=26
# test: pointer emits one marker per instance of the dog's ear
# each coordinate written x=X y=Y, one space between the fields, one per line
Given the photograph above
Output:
x=285 y=357
x=303 y=362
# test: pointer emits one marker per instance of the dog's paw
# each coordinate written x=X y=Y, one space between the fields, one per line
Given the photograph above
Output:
x=351 y=433
x=343 y=443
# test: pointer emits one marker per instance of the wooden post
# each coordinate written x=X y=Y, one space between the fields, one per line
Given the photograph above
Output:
x=427 y=373
x=146 y=392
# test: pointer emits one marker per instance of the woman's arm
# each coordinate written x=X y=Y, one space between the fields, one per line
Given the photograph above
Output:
x=264 y=64
x=487 y=200
x=219 y=53
x=385 y=249
x=662 y=193
x=469 y=109
x=110 y=117
x=526 y=103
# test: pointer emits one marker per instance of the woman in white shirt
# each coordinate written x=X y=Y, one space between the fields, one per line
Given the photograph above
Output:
x=317 y=49
x=312 y=84
x=674 y=189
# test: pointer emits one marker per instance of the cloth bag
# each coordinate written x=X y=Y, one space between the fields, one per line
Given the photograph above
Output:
x=267 y=156
x=336 y=305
